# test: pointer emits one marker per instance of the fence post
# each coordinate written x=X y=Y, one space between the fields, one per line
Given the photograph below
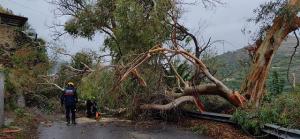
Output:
x=1 y=99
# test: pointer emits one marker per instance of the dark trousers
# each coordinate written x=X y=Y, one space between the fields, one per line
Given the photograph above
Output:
x=70 y=109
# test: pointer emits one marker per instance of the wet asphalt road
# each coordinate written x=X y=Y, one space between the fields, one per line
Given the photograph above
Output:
x=59 y=130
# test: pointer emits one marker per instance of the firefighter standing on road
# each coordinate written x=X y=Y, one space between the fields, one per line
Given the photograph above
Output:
x=69 y=99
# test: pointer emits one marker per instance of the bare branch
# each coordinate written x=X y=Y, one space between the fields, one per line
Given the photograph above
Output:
x=170 y=105
x=291 y=58
x=185 y=30
x=87 y=67
x=57 y=86
x=69 y=7
x=177 y=75
x=49 y=80
x=211 y=3
x=74 y=69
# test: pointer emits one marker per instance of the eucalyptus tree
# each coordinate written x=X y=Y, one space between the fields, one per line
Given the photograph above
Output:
x=150 y=28
x=130 y=26
x=277 y=19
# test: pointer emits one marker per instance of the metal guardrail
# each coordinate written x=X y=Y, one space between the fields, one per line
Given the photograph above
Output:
x=270 y=129
x=281 y=132
x=225 y=118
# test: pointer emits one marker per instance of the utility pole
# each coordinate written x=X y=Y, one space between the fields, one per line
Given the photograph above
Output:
x=1 y=99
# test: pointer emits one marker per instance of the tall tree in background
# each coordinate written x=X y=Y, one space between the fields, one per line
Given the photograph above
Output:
x=284 y=21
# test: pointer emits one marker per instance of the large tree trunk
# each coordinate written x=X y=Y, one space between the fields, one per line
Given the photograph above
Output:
x=254 y=85
x=190 y=95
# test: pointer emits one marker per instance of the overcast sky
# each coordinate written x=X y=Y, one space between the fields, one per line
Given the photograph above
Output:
x=222 y=23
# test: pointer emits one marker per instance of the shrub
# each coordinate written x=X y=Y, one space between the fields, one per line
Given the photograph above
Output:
x=20 y=112
x=129 y=94
x=283 y=111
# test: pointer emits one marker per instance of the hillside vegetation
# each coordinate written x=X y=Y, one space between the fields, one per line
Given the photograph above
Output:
x=236 y=64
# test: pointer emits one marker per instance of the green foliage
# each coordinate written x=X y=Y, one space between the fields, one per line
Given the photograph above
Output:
x=20 y=112
x=183 y=68
x=97 y=85
x=235 y=66
x=80 y=59
x=277 y=84
x=266 y=13
x=132 y=26
x=248 y=121
x=49 y=106
x=283 y=111
x=65 y=76
x=27 y=58
x=297 y=88
x=26 y=62
x=103 y=86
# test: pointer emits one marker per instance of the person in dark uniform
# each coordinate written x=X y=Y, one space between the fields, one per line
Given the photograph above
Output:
x=69 y=99
x=91 y=108
x=94 y=107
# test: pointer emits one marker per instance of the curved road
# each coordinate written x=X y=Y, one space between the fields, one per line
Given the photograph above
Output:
x=112 y=130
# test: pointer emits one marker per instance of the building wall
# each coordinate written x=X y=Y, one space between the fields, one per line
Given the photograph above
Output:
x=7 y=34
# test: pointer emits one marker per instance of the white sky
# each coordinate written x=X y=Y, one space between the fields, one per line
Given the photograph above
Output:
x=222 y=23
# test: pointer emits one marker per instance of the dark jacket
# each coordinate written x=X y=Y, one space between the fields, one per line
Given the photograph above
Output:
x=69 y=96
x=91 y=108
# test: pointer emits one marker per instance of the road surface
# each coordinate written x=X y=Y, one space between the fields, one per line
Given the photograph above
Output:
x=86 y=129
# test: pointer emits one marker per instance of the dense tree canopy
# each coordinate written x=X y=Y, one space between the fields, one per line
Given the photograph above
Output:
x=131 y=26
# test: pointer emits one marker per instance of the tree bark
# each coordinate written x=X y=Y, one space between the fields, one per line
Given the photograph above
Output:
x=211 y=89
x=190 y=95
x=254 y=85
x=170 y=105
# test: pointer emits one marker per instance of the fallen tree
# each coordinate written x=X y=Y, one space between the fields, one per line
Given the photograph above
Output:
x=189 y=93
x=123 y=48
x=254 y=86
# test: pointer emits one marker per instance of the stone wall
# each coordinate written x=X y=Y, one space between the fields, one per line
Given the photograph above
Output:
x=7 y=44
